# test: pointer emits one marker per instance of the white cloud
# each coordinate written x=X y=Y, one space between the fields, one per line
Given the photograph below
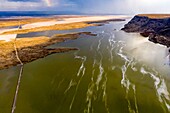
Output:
x=126 y=6
x=10 y=5
x=32 y=6
x=91 y=6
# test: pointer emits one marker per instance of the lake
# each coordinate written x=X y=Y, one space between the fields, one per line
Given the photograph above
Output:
x=113 y=72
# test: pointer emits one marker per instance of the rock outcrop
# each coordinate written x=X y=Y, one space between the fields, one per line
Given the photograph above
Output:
x=156 y=27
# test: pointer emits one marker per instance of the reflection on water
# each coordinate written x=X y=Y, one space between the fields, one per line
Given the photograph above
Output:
x=114 y=72
x=167 y=56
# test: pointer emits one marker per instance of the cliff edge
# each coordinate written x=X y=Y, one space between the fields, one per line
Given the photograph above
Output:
x=154 y=26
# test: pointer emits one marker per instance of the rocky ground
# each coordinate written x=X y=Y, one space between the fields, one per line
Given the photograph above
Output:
x=156 y=27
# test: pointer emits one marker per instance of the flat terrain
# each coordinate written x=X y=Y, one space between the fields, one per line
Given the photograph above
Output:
x=155 y=16
x=47 y=28
x=30 y=49
x=26 y=49
x=7 y=22
x=53 y=23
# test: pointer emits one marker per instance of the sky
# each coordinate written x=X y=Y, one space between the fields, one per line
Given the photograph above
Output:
x=88 y=6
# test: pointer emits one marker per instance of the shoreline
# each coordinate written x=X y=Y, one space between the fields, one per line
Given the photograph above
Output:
x=35 y=47
x=60 y=19
x=55 y=23
x=156 y=27
x=30 y=49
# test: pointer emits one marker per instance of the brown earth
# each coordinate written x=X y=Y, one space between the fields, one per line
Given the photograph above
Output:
x=30 y=49
x=22 y=21
x=53 y=27
x=155 y=16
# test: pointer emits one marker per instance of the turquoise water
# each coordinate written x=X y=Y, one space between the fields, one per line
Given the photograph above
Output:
x=113 y=72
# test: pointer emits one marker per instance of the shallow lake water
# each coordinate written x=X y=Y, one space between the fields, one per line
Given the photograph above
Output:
x=113 y=72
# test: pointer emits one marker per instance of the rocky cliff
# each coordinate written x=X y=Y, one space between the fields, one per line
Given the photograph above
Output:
x=156 y=27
